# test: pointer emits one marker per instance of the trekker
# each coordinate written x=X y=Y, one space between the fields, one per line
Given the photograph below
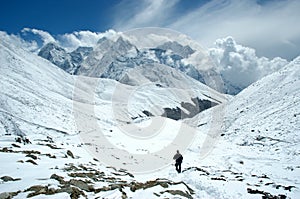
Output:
x=178 y=158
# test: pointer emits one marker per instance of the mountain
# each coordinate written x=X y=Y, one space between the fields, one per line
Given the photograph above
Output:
x=61 y=58
x=36 y=80
x=113 y=58
x=65 y=136
x=57 y=56
x=176 y=48
x=78 y=56
x=256 y=134
x=105 y=52
x=46 y=127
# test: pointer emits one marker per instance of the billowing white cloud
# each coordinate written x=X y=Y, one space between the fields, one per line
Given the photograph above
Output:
x=45 y=36
x=71 y=41
x=31 y=46
x=239 y=65
x=269 y=27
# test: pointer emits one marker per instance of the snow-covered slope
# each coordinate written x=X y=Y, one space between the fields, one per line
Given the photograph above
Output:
x=40 y=133
x=34 y=90
x=257 y=135
x=64 y=136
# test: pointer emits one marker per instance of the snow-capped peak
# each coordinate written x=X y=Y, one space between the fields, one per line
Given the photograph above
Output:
x=175 y=47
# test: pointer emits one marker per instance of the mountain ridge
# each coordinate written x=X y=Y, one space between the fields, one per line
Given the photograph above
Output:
x=80 y=136
x=111 y=59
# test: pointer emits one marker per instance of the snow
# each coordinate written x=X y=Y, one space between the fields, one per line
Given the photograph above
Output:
x=248 y=142
x=262 y=129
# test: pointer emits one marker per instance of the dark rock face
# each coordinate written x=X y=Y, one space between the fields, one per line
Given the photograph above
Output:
x=8 y=178
x=78 y=56
x=104 y=55
x=61 y=58
x=184 y=51
x=57 y=55
x=177 y=113
x=265 y=195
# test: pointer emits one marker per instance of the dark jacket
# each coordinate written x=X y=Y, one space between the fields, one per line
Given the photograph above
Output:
x=178 y=157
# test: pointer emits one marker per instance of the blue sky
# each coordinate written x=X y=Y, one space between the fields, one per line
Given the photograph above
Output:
x=65 y=16
x=56 y=16
x=270 y=26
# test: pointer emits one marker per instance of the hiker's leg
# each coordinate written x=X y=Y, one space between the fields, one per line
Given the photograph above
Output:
x=176 y=166
x=179 y=168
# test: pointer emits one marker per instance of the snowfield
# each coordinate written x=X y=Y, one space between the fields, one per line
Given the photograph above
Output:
x=64 y=136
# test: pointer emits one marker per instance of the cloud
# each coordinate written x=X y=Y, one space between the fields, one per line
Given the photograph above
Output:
x=136 y=14
x=260 y=26
x=270 y=27
x=71 y=41
x=45 y=36
x=16 y=40
x=239 y=65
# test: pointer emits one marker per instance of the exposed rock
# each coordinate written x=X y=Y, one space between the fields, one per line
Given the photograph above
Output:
x=8 y=178
x=8 y=195
x=178 y=192
x=50 y=156
x=52 y=146
x=69 y=153
x=5 y=195
x=6 y=150
x=95 y=176
x=23 y=139
x=57 y=55
x=266 y=195
x=172 y=113
x=60 y=179
x=193 y=109
x=124 y=195
x=36 y=190
x=218 y=178
x=161 y=182
x=71 y=167
x=81 y=185
x=184 y=51
x=74 y=192
x=18 y=139
x=147 y=113
x=15 y=145
x=31 y=156
x=31 y=161
x=196 y=169
x=31 y=151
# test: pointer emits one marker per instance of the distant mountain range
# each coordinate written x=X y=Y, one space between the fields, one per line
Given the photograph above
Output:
x=120 y=59
x=105 y=121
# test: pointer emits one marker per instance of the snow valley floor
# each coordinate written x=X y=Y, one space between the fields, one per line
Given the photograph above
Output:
x=243 y=146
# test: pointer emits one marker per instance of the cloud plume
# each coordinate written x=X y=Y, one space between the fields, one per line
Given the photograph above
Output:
x=268 y=26
x=239 y=65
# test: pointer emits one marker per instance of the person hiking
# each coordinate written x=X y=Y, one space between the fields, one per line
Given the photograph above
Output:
x=178 y=158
